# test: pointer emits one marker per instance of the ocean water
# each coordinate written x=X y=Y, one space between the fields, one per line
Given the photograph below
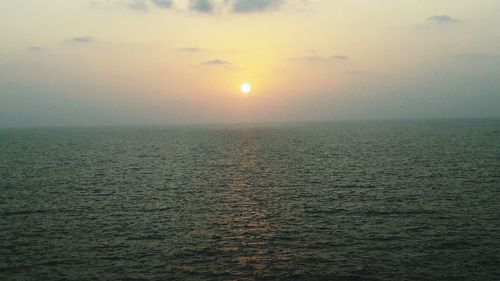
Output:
x=382 y=200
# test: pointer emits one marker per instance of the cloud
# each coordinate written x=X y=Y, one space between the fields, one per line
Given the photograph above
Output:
x=35 y=48
x=201 y=6
x=341 y=57
x=138 y=5
x=190 y=50
x=312 y=59
x=318 y=59
x=80 y=40
x=216 y=62
x=249 y=6
x=442 y=19
x=164 y=4
x=205 y=6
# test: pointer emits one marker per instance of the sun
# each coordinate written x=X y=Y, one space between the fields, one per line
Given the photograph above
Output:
x=245 y=88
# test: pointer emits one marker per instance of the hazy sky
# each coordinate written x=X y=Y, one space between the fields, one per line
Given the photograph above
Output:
x=104 y=62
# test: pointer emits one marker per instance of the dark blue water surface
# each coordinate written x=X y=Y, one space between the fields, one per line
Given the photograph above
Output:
x=386 y=200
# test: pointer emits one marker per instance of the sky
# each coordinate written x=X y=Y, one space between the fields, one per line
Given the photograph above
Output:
x=117 y=62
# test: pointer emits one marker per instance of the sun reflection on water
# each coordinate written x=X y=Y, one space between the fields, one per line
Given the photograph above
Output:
x=246 y=229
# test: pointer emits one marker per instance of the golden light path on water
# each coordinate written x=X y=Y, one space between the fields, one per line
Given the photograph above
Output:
x=247 y=231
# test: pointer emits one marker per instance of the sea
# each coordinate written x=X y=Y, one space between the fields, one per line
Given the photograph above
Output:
x=347 y=200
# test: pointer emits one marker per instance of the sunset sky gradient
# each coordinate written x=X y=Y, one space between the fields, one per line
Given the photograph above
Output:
x=114 y=62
